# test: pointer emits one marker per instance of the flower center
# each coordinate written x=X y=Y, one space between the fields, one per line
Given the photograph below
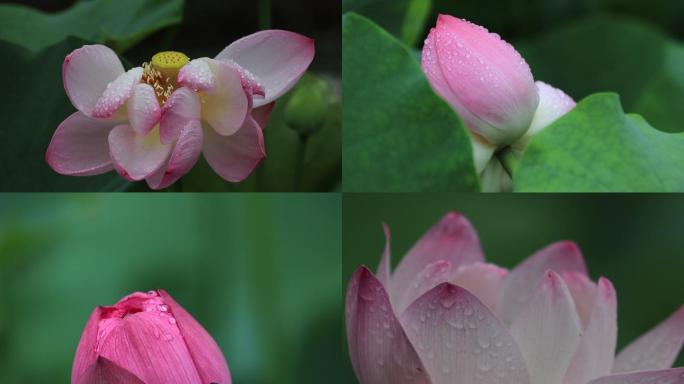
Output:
x=162 y=71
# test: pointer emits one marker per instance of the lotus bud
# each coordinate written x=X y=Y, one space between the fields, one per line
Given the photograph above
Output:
x=482 y=77
x=147 y=338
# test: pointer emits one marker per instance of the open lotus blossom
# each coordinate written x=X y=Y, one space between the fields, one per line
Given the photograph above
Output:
x=490 y=86
x=152 y=122
x=147 y=338
x=446 y=316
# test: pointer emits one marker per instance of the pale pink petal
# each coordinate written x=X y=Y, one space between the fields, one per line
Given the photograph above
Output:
x=151 y=347
x=117 y=93
x=106 y=372
x=143 y=109
x=180 y=109
x=583 y=293
x=197 y=75
x=228 y=107
x=86 y=73
x=548 y=330
x=657 y=349
x=183 y=157
x=263 y=114
x=460 y=341
x=452 y=239
x=276 y=58
x=385 y=266
x=85 y=352
x=594 y=357
x=489 y=84
x=79 y=146
x=562 y=256
x=378 y=347
x=136 y=156
x=553 y=103
x=249 y=82
x=665 y=376
x=234 y=157
x=482 y=280
x=432 y=275
x=205 y=353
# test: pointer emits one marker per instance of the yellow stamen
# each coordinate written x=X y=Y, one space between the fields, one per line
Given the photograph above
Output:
x=162 y=72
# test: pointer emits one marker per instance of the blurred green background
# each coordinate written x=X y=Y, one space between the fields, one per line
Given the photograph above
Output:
x=634 y=240
x=260 y=272
x=302 y=139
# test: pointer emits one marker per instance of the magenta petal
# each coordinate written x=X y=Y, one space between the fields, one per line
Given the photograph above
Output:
x=183 y=157
x=143 y=109
x=86 y=73
x=276 y=58
x=560 y=257
x=79 y=146
x=205 y=353
x=85 y=352
x=432 y=275
x=461 y=341
x=106 y=372
x=151 y=347
x=234 y=157
x=583 y=293
x=197 y=75
x=452 y=239
x=665 y=376
x=657 y=349
x=378 y=347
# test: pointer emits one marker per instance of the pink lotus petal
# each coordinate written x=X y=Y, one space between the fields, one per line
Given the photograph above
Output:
x=594 y=357
x=583 y=293
x=483 y=78
x=519 y=286
x=432 y=275
x=553 y=103
x=385 y=266
x=151 y=347
x=378 y=347
x=183 y=157
x=234 y=157
x=657 y=349
x=482 y=280
x=228 y=107
x=106 y=372
x=460 y=341
x=79 y=146
x=143 y=109
x=548 y=331
x=182 y=107
x=86 y=73
x=263 y=114
x=452 y=239
x=204 y=351
x=136 y=156
x=85 y=353
x=197 y=75
x=276 y=58
x=117 y=93
x=249 y=82
x=666 y=376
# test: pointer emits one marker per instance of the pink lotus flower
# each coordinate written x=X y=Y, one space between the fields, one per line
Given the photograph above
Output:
x=152 y=122
x=446 y=316
x=489 y=85
x=147 y=338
